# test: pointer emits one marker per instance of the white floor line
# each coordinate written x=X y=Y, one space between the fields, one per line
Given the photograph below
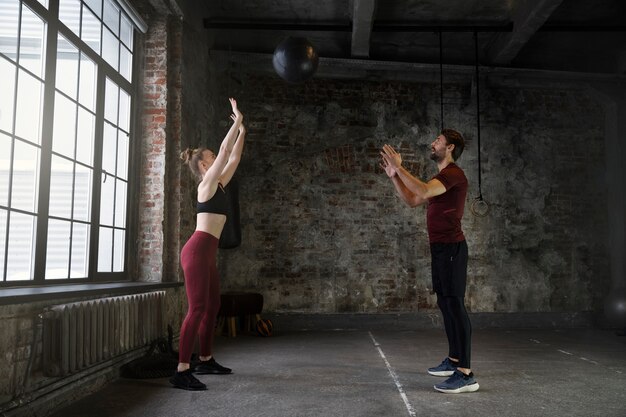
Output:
x=589 y=360
x=582 y=358
x=408 y=405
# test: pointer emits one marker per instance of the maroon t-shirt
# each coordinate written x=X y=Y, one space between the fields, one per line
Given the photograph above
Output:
x=445 y=211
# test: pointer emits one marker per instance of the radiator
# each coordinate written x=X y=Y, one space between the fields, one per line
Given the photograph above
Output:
x=85 y=333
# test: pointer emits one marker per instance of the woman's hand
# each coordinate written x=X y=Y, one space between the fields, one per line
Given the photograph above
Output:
x=236 y=112
x=242 y=128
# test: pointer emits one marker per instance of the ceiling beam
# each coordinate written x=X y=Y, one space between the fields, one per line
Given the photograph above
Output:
x=362 y=22
x=528 y=17
x=406 y=27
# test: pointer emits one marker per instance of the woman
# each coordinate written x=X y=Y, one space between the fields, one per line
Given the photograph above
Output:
x=198 y=255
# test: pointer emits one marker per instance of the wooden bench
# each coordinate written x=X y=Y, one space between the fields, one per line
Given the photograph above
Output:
x=243 y=305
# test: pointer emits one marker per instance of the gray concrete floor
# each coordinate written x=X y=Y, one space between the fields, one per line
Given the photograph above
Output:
x=573 y=372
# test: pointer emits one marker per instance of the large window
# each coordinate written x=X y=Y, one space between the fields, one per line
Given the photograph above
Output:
x=66 y=99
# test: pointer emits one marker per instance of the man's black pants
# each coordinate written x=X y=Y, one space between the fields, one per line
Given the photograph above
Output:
x=449 y=274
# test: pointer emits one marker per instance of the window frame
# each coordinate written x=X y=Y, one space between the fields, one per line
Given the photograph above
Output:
x=103 y=71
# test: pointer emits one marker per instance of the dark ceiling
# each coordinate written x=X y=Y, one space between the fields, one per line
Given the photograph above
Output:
x=563 y=35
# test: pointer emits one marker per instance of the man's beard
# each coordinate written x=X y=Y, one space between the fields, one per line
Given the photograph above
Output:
x=435 y=157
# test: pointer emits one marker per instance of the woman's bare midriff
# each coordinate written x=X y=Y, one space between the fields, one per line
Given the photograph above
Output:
x=210 y=223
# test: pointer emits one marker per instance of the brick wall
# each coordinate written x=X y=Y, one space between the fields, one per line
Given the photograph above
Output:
x=154 y=114
x=324 y=232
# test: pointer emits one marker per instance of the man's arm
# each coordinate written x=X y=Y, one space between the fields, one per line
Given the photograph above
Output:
x=407 y=196
x=423 y=190
x=411 y=199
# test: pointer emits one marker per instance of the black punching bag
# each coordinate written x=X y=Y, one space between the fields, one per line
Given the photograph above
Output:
x=231 y=235
x=295 y=59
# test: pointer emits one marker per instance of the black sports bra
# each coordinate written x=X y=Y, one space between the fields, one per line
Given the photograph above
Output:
x=217 y=204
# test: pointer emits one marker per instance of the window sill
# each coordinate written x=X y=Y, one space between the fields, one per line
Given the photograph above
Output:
x=10 y=296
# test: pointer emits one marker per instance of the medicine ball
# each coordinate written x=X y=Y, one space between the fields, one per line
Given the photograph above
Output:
x=264 y=327
x=295 y=59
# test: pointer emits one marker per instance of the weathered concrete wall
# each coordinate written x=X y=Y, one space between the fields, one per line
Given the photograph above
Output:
x=323 y=231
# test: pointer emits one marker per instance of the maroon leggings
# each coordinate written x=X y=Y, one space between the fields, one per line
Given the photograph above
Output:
x=203 y=294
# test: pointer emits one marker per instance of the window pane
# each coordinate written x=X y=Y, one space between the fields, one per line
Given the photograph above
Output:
x=9 y=20
x=105 y=249
x=64 y=130
x=58 y=254
x=120 y=204
x=126 y=63
x=25 y=177
x=112 y=16
x=32 y=42
x=106 y=201
x=21 y=242
x=80 y=251
x=110 y=48
x=90 y=30
x=95 y=6
x=7 y=94
x=122 y=155
x=3 y=235
x=109 y=148
x=69 y=14
x=118 y=251
x=70 y=155
x=111 y=102
x=87 y=87
x=126 y=32
x=5 y=166
x=124 y=110
x=29 y=109
x=85 y=137
x=67 y=67
x=82 y=193
x=61 y=183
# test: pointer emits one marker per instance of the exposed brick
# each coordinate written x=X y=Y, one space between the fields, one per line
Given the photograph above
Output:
x=325 y=202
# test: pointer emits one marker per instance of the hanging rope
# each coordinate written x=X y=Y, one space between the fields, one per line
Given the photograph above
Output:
x=441 y=76
x=479 y=206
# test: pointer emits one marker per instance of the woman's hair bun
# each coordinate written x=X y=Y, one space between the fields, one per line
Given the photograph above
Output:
x=186 y=155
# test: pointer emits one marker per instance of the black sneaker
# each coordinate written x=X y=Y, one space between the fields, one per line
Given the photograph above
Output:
x=211 y=367
x=186 y=380
x=458 y=383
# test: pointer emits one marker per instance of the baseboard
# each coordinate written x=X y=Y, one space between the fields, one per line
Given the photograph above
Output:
x=422 y=320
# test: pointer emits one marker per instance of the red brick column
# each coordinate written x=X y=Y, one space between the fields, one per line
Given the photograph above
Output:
x=152 y=155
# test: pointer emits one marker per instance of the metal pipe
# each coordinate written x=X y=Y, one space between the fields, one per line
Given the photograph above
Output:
x=480 y=188
x=563 y=27
x=406 y=27
x=265 y=25
x=420 y=27
x=347 y=26
x=441 y=77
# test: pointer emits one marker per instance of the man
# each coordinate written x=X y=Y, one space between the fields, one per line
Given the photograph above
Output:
x=445 y=195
